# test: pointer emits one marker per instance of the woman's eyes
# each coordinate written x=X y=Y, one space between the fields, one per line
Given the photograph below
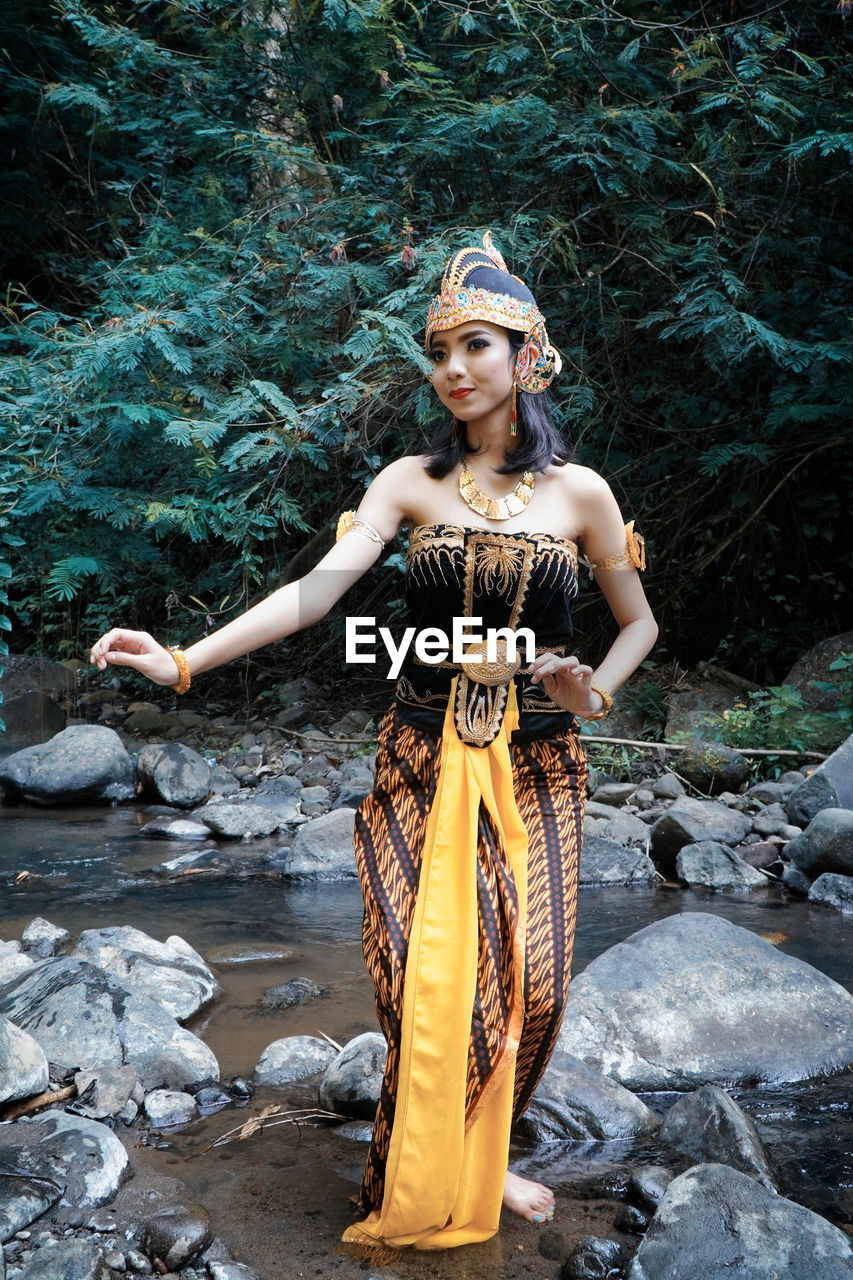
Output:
x=475 y=344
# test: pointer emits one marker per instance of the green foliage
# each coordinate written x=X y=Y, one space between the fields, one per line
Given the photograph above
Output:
x=222 y=221
x=779 y=718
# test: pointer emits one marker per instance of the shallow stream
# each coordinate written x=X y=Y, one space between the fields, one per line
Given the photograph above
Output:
x=280 y=1198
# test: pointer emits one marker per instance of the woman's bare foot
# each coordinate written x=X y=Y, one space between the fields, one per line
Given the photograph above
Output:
x=529 y=1200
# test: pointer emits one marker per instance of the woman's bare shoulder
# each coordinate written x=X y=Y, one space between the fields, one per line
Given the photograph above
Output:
x=581 y=483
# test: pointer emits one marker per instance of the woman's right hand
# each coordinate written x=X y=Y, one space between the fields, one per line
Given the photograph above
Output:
x=136 y=649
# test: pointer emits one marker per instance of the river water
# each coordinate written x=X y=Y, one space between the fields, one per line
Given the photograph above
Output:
x=280 y=1198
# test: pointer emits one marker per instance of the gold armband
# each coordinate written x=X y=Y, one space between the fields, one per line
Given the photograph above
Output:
x=633 y=557
x=183 y=682
x=348 y=523
x=606 y=698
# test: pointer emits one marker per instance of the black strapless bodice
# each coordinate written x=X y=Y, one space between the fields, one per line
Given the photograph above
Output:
x=510 y=580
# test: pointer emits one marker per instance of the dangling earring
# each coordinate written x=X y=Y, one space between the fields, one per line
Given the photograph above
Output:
x=513 y=413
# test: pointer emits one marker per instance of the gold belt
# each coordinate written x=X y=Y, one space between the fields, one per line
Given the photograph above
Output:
x=476 y=666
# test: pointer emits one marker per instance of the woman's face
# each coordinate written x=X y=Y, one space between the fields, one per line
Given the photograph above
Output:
x=473 y=367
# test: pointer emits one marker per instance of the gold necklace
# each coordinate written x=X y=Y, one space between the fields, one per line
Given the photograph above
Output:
x=496 y=508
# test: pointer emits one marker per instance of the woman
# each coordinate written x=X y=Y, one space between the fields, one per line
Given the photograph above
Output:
x=468 y=846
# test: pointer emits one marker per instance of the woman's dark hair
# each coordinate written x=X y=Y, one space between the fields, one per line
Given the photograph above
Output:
x=540 y=444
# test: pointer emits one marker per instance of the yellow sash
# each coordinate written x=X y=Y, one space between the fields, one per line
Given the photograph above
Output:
x=443 y=1184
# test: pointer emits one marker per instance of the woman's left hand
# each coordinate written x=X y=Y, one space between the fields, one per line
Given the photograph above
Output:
x=568 y=682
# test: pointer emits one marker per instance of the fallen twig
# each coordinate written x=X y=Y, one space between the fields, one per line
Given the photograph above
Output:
x=687 y=746
x=264 y=1120
x=37 y=1103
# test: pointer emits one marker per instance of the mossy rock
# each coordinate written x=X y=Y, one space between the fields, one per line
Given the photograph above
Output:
x=713 y=768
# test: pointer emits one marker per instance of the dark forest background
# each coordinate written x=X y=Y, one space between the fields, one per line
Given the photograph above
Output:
x=220 y=226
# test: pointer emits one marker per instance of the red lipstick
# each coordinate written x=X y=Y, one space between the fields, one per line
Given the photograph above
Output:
x=461 y=392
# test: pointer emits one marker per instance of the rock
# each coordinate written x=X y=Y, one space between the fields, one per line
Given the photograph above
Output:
x=314 y=800
x=107 y=1091
x=177 y=1235
x=41 y=938
x=716 y=866
x=793 y=879
x=23 y=1066
x=691 y=821
x=25 y=673
x=168 y=1108
x=232 y=1271
x=236 y=953
x=613 y=824
x=770 y=821
x=825 y=845
x=66 y=1260
x=707 y=1003
x=553 y=1244
x=648 y=1184
x=175 y=773
x=667 y=787
x=212 y=863
x=355 y=1131
x=13 y=961
x=712 y=767
x=175 y=829
x=764 y=853
x=323 y=848
x=592 y=1258
x=689 y=705
x=829 y=786
x=82 y=1017
x=223 y=782
x=833 y=891
x=353 y=790
x=709 y=1127
x=769 y=793
x=814 y=668
x=294 y=992
x=28 y=1188
x=212 y=1099
x=574 y=1102
x=631 y=1219
x=86 y=1156
x=714 y=1221
x=614 y=793
x=30 y=718
x=606 y=862
x=294 y=1058
x=87 y=762
x=352 y=1083
x=146 y=721
x=170 y=973
x=244 y=821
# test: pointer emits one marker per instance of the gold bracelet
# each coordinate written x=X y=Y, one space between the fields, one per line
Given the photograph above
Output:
x=183 y=682
x=607 y=700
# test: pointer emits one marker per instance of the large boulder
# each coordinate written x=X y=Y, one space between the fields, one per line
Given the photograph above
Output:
x=690 y=821
x=23 y=1066
x=825 y=845
x=66 y=1260
x=85 y=1157
x=716 y=866
x=323 y=848
x=574 y=1102
x=82 y=1017
x=713 y=768
x=30 y=718
x=293 y=1058
x=607 y=862
x=243 y=821
x=695 y=1000
x=85 y=763
x=829 y=786
x=175 y=773
x=833 y=891
x=170 y=973
x=813 y=669
x=714 y=1222
x=28 y=1184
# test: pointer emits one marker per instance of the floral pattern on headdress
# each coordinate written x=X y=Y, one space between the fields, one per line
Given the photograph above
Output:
x=537 y=362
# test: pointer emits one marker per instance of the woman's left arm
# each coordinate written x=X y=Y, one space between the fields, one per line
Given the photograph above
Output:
x=568 y=681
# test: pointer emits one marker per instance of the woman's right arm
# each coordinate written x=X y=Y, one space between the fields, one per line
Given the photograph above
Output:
x=289 y=609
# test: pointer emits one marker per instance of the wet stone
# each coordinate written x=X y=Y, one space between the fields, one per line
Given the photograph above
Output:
x=293 y=1058
x=352 y=1084
x=575 y=1102
x=249 y=953
x=608 y=862
x=833 y=891
x=28 y=1188
x=66 y=1260
x=323 y=848
x=593 y=1258
x=716 y=866
x=553 y=1245
x=212 y=1099
x=648 y=1184
x=232 y=1271
x=239 y=821
x=294 y=992
x=631 y=1219
x=83 y=763
x=175 y=829
x=43 y=939
x=170 y=973
x=169 y=1108
x=177 y=1235
x=175 y=773
x=86 y=1156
